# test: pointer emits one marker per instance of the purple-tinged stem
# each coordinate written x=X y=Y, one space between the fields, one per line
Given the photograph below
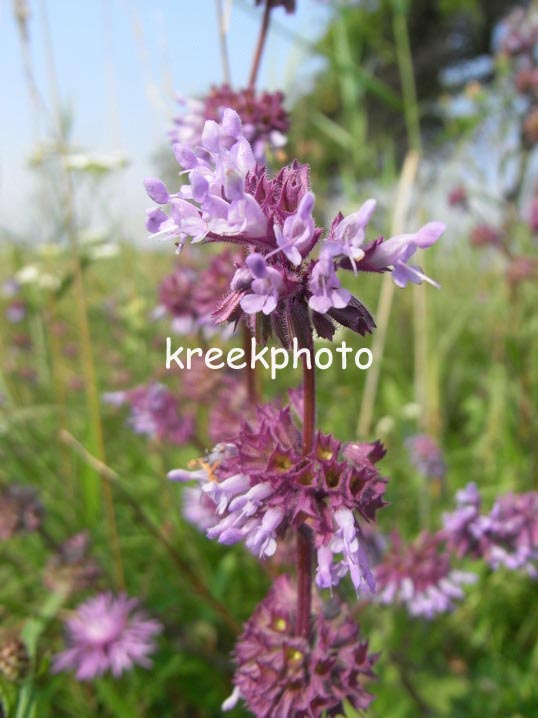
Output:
x=261 y=44
x=250 y=372
x=304 y=540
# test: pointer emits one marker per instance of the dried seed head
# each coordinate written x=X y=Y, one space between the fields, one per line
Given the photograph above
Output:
x=14 y=660
x=20 y=510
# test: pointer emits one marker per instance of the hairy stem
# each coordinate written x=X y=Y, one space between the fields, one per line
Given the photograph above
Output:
x=262 y=37
x=304 y=540
x=250 y=373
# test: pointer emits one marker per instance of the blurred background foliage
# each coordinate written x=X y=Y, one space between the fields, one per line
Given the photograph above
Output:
x=349 y=124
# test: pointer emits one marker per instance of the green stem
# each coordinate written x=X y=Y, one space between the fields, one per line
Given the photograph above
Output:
x=407 y=75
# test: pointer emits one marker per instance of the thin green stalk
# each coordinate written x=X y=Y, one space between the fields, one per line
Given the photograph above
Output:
x=92 y=394
x=407 y=76
x=384 y=306
x=112 y=479
x=60 y=393
x=426 y=379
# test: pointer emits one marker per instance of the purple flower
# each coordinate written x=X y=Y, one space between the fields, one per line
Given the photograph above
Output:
x=198 y=508
x=327 y=292
x=266 y=289
x=397 y=251
x=157 y=190
x=484 y=235
x=229 y=408
x=350 y=234
x=265 y=121
x=107 y=633
x=176 y=298
x=297 y=233
x=213 y=285
x=458 y=197
x=154 y=413
x=420 y=576
x=10 y=288
x=261 y=484
x=511 y=530
x=426 y=456
x=281 y=674
x=506 y=537
x=16 y=311
x=229 y=198
x=464 y=528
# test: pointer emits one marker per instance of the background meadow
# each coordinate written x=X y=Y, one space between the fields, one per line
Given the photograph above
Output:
x=415 y=103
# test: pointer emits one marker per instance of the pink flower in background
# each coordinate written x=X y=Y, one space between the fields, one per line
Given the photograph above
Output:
x=458 y=197
x=16 y=311
x=420 y=576
x=483 y=235
x=511 y=528
x=426 y=456
x=506 y=537
x=107 y=634
x=155 y=413
x=464 y=527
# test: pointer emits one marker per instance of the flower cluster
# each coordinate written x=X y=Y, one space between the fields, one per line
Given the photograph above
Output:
x=426 y=456
x=280 y=673
x=154 y=413
x=261 y=484
x=107 y=633
x=463 y=527
x=190 y=296
x=507 y=536
x=420 y=576
x=484 y=235
x=265 y=121
x=230 y=198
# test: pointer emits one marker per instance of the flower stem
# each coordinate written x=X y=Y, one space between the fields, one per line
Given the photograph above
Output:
x=309 y=410
x=250 y=374
x=262 y=37
x=304 y=539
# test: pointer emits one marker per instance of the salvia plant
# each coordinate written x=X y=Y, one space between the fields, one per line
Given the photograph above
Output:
x=279 y=481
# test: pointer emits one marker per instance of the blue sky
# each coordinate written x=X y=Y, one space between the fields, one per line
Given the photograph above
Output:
x=119 y=63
